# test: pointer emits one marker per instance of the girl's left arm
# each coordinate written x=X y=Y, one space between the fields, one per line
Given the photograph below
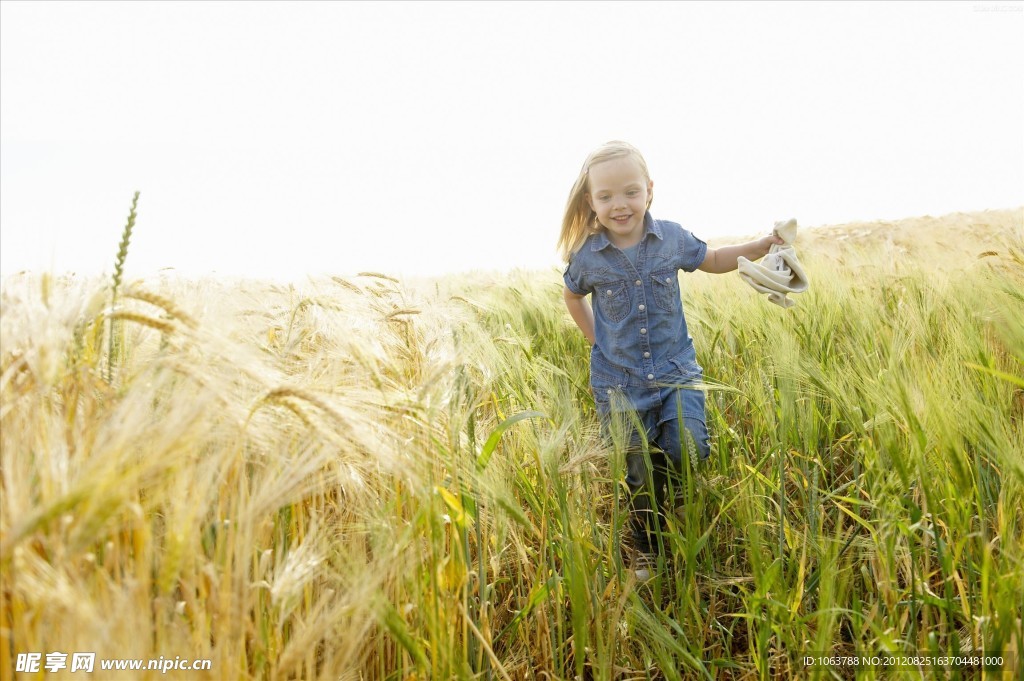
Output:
x=722 y=260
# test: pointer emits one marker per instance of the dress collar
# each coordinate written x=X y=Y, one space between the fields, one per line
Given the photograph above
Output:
x=650 y=227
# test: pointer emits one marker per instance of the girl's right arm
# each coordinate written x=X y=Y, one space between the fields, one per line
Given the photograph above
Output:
x=580 y=312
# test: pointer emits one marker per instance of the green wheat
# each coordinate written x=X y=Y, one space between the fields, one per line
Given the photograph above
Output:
x=122 y=254
x=377 y=479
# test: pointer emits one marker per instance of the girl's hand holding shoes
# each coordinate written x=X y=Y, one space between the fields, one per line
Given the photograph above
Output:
x=770 y=240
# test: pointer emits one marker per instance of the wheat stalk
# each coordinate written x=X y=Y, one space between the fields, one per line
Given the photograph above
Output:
x=122 y=254
x=165 y=303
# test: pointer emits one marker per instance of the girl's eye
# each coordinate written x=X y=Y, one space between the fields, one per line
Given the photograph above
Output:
x=632 y=192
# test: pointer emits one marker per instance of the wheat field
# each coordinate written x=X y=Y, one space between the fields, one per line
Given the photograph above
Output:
x=371 y=478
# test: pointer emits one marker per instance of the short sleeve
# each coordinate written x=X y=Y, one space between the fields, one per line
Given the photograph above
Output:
x=692 y=251
x=573 y=277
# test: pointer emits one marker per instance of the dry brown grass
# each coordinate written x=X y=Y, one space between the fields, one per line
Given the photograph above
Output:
x=949 y=241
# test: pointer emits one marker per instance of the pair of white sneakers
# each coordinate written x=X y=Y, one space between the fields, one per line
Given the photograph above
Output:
x=779 y=273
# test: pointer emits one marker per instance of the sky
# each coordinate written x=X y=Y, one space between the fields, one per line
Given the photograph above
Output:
x=280 y=141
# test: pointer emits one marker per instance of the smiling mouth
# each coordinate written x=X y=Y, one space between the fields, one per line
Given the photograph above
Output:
x=622 y=218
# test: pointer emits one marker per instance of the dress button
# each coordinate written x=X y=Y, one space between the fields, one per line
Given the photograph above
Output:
x=650 y=377
x=643 y=331
x=647 y=355
x=638 y=282
x=607 y=293
x=609 y=391
x=643 y=307
x=668 y=279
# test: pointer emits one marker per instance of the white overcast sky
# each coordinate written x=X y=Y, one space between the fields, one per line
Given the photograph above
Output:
x=280 y=140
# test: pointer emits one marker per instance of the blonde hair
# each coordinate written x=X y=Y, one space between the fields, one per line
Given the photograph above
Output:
x=579 y=220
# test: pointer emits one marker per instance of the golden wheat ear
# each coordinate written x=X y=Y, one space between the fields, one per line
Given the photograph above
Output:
x=122 y=254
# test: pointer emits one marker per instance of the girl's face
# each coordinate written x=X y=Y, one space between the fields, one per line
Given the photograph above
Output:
x=618 y=194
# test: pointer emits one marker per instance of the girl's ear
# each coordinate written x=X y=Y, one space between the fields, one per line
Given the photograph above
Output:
x=589 y=202
x=650 y=192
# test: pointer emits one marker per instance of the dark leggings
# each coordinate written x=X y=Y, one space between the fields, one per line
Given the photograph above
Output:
x=649 y=488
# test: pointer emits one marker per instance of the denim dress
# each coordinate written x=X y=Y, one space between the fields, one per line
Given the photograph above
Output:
x=643 y=358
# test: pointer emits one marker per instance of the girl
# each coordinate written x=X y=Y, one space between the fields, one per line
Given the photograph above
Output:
x=642 y=357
